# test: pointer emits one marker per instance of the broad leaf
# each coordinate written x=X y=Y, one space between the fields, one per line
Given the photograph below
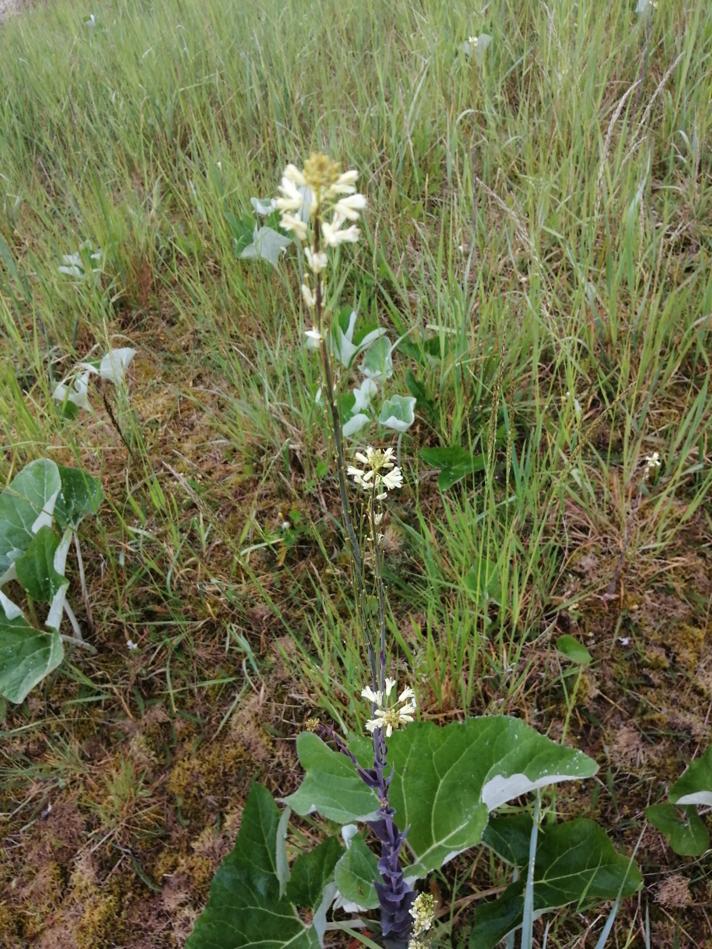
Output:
x=245 y=907
x=75 y=395
x=364 y=393
x=262 y=206
x=356 y=873
x=446 y=780
x=241 y=229
x=312 y=871
x=114 y=364
x=377 y=363
x=509 y=836
x=81 y=494
x=695 y=785
x=575 y=863
x=570 y=647
x=27 y=655
x=26 y=505
x=398 y=413
x=331 y=785
x=355 y=424
x=348 y=340
x=267 y=244
x=477 y=46
x=682 y=827
x=454 y=463
x=449 y=779
x=36 y=570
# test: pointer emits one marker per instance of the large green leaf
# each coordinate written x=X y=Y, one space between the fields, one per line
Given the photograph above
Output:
x=26 y=505
x=695 y=784
x=348 y=339
x=267 y=244
x=682 y=827
x=245 y=907
x=454 y=463
x=509 y=836
x=81 y=494
x=356 y=873
x=312 y=871
x=35 y=568
x=450 y=778
x=398 y=413
x=575 y=863
x=331 y=785
x=377 y=362
x=27 y=654
x=446 y=780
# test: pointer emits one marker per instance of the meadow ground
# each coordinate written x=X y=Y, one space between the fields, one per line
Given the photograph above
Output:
x=540 y=225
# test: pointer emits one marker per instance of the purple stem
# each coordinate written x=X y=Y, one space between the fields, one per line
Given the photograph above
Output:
x=394 y=893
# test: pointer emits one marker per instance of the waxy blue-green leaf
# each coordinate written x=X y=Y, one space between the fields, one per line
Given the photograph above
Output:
x=26 y=505
x=446 y=781
x=35 y=569
x=356 y=874
x=27 y=654
x=695 y=784
x=682 y=827
x=348 y=339
x=398 y=413
x=450 y=778
x=575 y=863
x=377 y=363
x=353 y=425
x=311 y=872
x=267 y=244
x=81 y=495
x=331 y=786
x=245 y=907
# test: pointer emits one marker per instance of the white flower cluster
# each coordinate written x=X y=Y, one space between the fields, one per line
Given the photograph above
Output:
x=309 y=195
x=380 y=472
x=304 y=194
x=389 y=715
x=653 y=461
x=423 y=913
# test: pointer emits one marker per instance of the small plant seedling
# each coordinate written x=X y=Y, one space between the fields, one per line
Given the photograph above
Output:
x=679 y=820
x=40 y=512
x=73 y=391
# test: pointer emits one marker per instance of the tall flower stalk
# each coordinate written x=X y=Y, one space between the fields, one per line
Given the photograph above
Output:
x=320 y=206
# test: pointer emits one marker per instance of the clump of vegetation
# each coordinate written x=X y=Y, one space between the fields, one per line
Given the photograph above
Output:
x=423 y=793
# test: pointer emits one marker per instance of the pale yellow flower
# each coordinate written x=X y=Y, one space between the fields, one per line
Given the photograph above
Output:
x=294 y=224
x=334 y=234
x=316 y=261
x=390 y=716
x=308 y=296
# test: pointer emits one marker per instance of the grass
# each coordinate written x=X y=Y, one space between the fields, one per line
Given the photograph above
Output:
x=539 y=231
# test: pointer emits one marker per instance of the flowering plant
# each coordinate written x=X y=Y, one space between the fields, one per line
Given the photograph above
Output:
x=424 y=793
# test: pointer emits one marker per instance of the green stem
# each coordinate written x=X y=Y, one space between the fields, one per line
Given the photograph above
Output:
x=329 y=388
x=374 y=510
